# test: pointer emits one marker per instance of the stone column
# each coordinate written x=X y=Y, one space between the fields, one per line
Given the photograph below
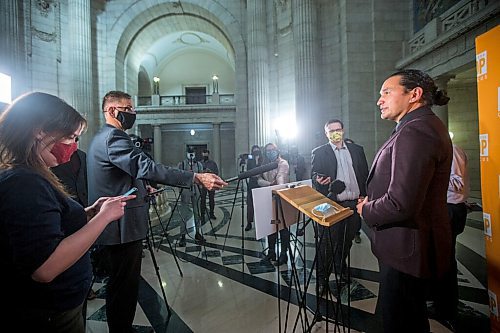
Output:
x=157 y=143
x=10 y=47
x=216 y=144
x=81 y=65
x=258 y=73
x=306 y=103
x=442 y=111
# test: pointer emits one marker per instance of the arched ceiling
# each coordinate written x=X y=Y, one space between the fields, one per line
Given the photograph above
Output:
x=168 y=46
x=174 y=28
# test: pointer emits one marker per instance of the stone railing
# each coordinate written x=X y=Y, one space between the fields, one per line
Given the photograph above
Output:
x=464 y=13
x=184 y=100
x=163 y=208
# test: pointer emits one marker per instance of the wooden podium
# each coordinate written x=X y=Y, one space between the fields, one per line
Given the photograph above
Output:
x=305 y=198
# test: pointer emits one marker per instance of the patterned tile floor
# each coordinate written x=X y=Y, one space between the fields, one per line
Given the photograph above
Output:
x=225 y=287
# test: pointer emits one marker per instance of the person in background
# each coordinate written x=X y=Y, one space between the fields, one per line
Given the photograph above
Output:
x=45 y=235
x=73 y=175
x=190 y=197
x=357 y=236
x=211 y=167
x=275 y=177
x=339 y=171
x=298 y=162
x=115 y=165
x=405 y=206
x=445 y=290
x=253 y=162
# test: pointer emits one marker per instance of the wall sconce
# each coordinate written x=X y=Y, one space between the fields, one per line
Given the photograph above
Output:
x=192 y=132
x=156 y=85
x=215 y=84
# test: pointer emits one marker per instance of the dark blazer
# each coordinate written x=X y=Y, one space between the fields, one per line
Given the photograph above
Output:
x=114 y=166
x=323 y=161
x=73 y=175
x=407 y=196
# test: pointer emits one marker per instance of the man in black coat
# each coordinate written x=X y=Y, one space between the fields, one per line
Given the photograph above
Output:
x=405 y=205
x=339 y=170
x=115 y=165
x=73 y=175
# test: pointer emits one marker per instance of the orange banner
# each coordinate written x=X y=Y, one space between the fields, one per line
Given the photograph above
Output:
x=488 y=89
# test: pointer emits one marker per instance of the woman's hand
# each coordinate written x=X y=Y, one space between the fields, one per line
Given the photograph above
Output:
x=113 y=208
x=95 y=207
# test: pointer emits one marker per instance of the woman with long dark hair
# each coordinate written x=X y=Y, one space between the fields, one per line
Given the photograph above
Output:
x=44 y=234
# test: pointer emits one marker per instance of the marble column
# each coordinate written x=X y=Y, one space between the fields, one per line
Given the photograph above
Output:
x=10 y=47
x=81 y=65
x=216 y=149
x=157 y=143
x=442 y=111
x=258 y=73
x=306 y=103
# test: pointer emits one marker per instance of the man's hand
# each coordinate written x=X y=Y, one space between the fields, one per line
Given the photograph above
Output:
x=323 y=180
x=209 y=180
x=361 y=203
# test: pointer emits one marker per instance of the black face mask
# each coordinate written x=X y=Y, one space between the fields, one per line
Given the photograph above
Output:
x=256 y=153
x=205 y=158
x=126 y=119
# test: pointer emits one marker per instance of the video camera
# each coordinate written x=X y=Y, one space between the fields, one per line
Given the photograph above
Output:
x=144 y=144
x=246 y=156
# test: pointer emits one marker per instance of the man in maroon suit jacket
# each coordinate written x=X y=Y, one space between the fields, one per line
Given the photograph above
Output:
x=406 y=200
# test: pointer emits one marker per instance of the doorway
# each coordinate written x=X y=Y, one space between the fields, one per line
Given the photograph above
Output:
x=196 y=95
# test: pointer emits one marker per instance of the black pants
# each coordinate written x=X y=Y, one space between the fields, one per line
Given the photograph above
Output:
x=211 y=201
x=285 y=241
x=250 y=213
x=335 y=242
x=46 y=321
x=444 y=291
x=124 y=262
x=402 y=302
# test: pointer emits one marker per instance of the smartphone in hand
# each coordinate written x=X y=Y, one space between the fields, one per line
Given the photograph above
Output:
x=130 y=192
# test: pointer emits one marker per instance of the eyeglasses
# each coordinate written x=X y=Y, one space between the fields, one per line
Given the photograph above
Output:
x=128 y=109
x=335 y=130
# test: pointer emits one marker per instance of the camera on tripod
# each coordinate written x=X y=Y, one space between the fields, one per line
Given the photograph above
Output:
x=245 y=157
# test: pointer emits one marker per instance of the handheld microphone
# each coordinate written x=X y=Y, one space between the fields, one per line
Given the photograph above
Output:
x=254 y=172
x=336 y=187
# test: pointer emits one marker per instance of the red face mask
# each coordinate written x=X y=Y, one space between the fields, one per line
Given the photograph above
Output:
x=63 y=151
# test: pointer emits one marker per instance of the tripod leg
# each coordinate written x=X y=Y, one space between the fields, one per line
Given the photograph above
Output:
x=165 y=235
x=175 y=256
x=169 y=219
x=231 y=215
x=157 y=269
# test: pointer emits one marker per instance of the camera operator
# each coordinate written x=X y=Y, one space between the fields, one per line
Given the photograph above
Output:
x=191 y=197
x=211 y=167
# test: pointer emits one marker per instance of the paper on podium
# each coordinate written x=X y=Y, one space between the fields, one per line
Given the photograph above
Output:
x=264 y=209
x=305 y=199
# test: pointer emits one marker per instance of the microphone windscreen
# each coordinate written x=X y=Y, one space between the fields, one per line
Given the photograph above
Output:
x=336 y=187
x=258 y=170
